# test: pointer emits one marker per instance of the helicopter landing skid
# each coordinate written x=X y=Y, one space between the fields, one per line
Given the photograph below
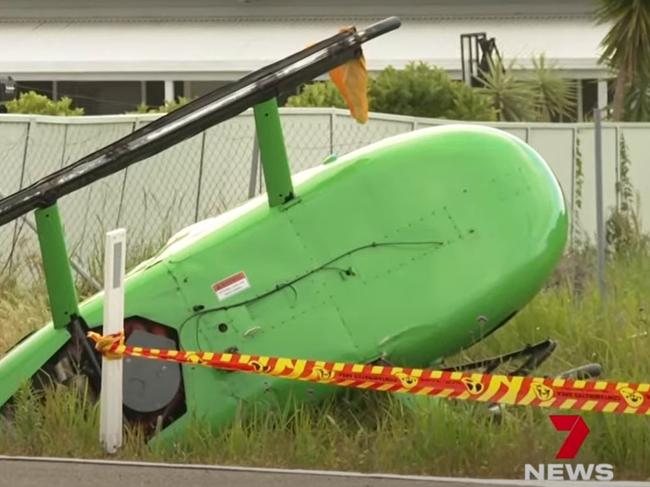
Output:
x=525 y=361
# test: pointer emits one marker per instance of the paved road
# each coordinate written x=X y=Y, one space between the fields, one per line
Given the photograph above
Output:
x=32 y=472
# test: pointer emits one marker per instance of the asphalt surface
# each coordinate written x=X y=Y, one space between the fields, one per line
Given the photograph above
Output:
x=35 y=472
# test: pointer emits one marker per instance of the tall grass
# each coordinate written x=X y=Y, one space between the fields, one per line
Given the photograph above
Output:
x=376 y=432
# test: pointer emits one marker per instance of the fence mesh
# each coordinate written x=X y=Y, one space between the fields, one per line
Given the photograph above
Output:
x=219 y=169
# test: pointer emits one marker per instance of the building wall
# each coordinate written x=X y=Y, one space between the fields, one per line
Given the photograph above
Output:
x=99 y=51
x=202 y=9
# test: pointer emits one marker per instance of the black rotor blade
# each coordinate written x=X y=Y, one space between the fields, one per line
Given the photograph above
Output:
x=198 y=115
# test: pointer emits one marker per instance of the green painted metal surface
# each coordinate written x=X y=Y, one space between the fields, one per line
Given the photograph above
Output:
x=58 y=273
x=277 y=174
x=408 y=250
x=27 y=357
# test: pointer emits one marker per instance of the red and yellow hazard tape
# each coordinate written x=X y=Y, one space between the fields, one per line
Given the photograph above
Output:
x=570 y=394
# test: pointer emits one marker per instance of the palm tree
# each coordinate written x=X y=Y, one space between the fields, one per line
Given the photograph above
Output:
x=637 y=102
x=512 y=98
x=556 y=96
x=626 y=46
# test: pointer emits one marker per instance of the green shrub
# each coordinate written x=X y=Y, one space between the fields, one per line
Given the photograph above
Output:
x=418 y=90
x=637 y=101
x=168 y=106
x=32 y=102
x=319 y=94
x=623 y=226
x=556 y=95
x=426 y=91
x=513 y=98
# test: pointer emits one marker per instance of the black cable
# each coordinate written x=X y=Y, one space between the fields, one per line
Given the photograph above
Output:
x=280 y=287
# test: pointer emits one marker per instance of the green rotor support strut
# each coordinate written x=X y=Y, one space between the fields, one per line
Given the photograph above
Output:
x=275 y=163
x=58 y=273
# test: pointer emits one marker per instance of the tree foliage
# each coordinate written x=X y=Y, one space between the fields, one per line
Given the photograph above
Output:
x=425 y=91
x=540 y=94
x=32 y=102
x=417 y=90
x=512 y=98
x=637 y=101
x=556 y=96
x=319 y=94
x=626 y=46
x=168 y=106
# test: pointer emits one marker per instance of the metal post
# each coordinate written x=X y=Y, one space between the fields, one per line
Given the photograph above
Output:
x=579 y=98
x=58 y=273
x=17 y=228
x=574 y=161
x=65 y=144
x=600 y=214
x=275 y=164
x=134 y=126
x=200 y=181
x=332 y=115
x=255 y=162
x=110 y=428
x=76 y=265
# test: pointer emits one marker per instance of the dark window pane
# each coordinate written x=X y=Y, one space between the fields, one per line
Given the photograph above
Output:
x=102 y=97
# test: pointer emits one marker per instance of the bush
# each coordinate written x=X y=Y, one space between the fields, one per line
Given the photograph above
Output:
x=556 y=96
x=623 y=226
x=425 y=91
x=168 y=106
x=513 y=99
x=319 y=94
x=637 y=101
x=32 y=102
x=418 y=90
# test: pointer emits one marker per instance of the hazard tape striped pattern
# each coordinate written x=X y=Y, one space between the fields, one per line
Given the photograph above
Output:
x=569 y=394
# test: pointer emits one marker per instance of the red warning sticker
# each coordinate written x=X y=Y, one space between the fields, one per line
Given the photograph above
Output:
x=231 y=285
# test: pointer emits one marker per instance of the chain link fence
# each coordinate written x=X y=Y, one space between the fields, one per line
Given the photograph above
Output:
x=219 y=169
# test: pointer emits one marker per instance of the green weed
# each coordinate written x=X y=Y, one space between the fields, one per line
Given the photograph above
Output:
x=364 y=431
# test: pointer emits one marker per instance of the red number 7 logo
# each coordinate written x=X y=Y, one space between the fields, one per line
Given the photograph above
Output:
x=578 y=432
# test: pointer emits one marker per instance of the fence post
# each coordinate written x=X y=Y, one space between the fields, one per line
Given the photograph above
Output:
x=76 y=265
x=332 y=116
x=255 y=164
x=600 y=219
x=574 y=162
x=200 y=182
x=110 y=429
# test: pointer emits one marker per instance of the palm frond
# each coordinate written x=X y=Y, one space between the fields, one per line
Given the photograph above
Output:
x=512 y=98
x=556 y=96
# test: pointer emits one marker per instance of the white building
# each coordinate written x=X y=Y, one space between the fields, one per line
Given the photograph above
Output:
x=110 y=56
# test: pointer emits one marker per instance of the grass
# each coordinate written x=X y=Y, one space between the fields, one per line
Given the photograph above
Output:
x=375 y=432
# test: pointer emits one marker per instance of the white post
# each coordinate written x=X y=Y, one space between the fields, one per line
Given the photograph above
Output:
x=601 y=99
x=169 y=90
x=110 y=432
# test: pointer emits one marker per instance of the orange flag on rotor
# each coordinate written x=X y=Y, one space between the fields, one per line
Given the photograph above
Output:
x=351 y=79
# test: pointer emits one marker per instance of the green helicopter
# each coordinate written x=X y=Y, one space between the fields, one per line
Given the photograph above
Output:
x=403 y=252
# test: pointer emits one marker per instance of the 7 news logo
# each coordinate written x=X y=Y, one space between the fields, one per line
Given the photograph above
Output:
x=578 y=432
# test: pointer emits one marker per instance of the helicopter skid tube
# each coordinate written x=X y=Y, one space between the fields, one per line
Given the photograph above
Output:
x=23 y=361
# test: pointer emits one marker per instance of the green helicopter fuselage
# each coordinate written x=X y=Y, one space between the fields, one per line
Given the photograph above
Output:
x=405 y=251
